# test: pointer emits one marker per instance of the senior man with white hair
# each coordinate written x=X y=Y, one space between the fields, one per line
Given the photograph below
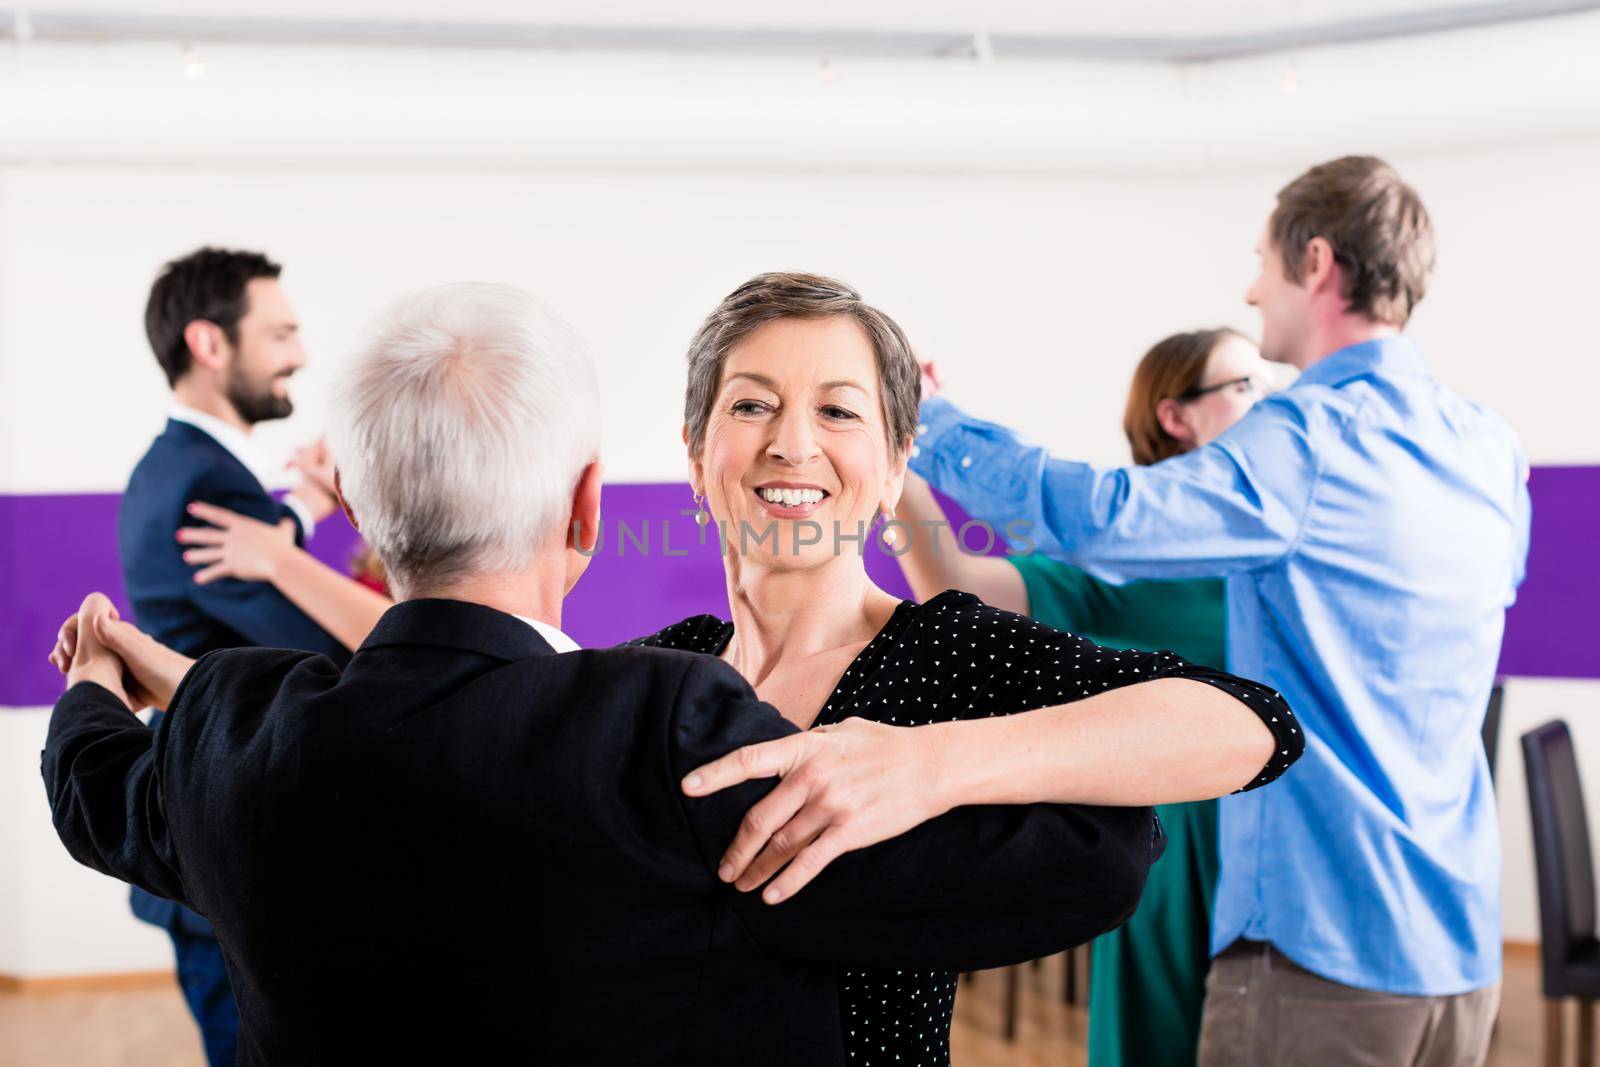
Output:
x=472 y=842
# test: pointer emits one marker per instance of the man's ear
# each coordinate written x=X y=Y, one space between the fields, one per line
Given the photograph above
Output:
x=344 y=505
x=207 y=346
x=1318 y=265
x=583 y=524
x=1169 y=414
x=583 y=532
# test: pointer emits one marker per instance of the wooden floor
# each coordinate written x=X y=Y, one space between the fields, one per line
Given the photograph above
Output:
x=1049 y=1033
x=149 y=1027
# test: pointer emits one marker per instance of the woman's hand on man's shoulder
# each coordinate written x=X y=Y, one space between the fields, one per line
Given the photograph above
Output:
x=845 y=787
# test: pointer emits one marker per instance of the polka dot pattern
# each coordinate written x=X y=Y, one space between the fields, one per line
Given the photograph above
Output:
x=955 y=657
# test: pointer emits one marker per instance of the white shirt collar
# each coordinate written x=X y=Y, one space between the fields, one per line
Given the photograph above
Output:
x=554 y=637
x=235 y=440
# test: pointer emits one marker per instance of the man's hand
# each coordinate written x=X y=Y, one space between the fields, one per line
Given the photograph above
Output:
x=844 y=787
x=320 y=504
x=315 y=491
x=932 y=381
x=315 y=461
x=146 y=672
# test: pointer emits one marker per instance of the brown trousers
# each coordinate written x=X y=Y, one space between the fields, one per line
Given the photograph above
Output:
x=1262 y=1010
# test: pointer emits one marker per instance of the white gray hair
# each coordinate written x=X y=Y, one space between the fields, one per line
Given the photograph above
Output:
x=460 y=431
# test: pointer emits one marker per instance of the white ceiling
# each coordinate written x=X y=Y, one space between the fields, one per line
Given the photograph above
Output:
x=1077 y=18
x=251 y=104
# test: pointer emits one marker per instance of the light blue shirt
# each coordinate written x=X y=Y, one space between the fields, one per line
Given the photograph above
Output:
x=1372 y=528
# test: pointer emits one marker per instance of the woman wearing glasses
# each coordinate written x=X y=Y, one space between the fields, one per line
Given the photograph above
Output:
x=1149 y=976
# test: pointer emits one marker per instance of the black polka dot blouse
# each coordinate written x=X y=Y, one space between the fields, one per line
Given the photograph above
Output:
x=955 y=657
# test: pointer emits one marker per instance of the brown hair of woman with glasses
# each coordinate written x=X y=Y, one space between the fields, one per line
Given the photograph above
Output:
x=1180 y=371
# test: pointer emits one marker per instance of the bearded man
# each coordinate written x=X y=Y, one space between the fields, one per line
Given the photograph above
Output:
x=224 y=335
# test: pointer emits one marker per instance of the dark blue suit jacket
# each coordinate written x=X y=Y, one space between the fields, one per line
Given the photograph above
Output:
x=184 y=464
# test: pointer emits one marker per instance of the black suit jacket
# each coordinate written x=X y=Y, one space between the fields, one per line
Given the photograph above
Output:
x=185 y=464
x=468 y=846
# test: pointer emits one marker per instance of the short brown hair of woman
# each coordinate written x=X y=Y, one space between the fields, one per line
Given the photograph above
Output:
x=1172 y=367
x=793 y=295
x=1379 y=230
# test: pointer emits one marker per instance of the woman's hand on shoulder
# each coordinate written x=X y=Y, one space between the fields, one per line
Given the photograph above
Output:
x=844 y=787
x=234 y=545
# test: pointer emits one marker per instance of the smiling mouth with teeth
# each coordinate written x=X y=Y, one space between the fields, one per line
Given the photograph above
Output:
x=790 y=498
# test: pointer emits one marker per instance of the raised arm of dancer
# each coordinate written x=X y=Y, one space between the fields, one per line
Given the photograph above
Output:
x=935 y=561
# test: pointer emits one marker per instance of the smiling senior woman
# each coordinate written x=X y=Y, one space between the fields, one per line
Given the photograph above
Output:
x=799 y=418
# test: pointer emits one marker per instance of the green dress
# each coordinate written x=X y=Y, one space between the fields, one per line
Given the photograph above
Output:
x=1149 y=976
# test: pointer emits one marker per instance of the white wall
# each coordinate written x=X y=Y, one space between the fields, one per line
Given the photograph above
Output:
x=1037 y=283
x=1063 y=280
x=56 y=918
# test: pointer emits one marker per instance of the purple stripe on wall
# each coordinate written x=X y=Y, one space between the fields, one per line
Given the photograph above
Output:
x=58 y=547
x=1551 y=630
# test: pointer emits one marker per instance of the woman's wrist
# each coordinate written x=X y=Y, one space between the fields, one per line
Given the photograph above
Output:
x=281 y=556
x=957 y=764
x=1027 y=758
x=173 y=668
x=104 y=671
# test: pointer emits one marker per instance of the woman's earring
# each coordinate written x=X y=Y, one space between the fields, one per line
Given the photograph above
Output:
x=701 y=515
x=888 y=531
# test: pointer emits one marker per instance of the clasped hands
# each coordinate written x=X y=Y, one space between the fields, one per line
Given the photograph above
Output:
x=96 y=645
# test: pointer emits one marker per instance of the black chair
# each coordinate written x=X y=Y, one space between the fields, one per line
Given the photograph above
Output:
x=1568 y=948
x=1491 y=726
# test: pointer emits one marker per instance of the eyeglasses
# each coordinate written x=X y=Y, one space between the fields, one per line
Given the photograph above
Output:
x=1196 y=392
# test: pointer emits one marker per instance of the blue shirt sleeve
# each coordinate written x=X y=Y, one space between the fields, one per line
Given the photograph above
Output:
x=1236 y=505
x=1523 y=522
